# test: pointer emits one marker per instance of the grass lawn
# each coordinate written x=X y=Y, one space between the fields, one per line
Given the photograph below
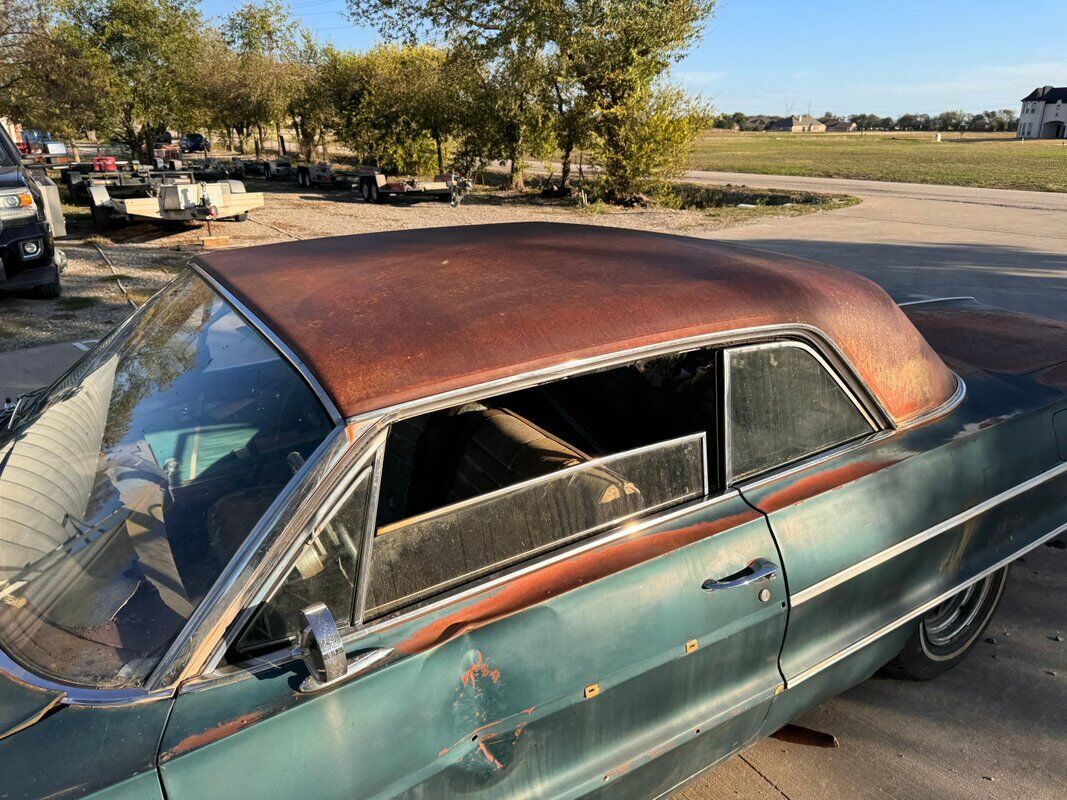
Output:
x=989 y=160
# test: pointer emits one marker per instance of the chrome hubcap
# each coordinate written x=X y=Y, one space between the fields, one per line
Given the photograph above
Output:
x=953 y=618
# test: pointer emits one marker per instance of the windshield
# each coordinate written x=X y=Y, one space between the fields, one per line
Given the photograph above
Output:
x=126 y=488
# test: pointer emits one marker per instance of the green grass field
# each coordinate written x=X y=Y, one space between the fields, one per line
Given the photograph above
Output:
x=989 y=160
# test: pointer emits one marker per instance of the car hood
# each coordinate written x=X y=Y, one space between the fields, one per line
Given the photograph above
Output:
x=11 y=177
x=22 y=705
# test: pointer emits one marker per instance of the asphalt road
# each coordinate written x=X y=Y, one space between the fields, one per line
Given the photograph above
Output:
x=996 y=727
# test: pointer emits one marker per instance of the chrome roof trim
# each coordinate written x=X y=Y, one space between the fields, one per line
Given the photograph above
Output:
x=870 y=638
x=327 y=402
x=957 y=397
x=825 y=585
x=935 y=300
x=810 y=334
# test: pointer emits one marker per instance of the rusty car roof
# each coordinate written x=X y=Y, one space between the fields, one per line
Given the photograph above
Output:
x=385 y=318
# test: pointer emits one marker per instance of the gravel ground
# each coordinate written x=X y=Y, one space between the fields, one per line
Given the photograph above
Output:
x=107 y=275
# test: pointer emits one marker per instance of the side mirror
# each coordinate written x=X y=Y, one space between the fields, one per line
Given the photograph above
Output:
x=321 y=648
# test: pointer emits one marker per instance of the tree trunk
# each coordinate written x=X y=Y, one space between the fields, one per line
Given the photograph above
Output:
x=440 y=153
x=565 y=163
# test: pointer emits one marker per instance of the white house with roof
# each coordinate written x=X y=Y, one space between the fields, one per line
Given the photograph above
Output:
x=1044 y=114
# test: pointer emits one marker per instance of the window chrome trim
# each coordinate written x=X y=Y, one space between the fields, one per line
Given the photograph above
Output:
x=264 y=331
x=811 y=335
x=805 y=459
x=879 y=558
x=870 y=638
x=593 y=463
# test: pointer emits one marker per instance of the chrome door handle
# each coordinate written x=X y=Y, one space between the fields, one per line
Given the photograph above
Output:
x=759 y=570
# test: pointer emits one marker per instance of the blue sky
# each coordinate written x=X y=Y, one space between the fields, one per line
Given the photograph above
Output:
x=845 y=56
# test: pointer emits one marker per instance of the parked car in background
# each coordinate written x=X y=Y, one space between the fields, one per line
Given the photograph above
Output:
x=31 y=216
x=502 y=511
x=195 y=143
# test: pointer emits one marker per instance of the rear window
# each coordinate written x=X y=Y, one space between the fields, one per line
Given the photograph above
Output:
x=128 y=486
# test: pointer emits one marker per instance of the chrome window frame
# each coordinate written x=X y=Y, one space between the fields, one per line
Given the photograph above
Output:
x=728 y=449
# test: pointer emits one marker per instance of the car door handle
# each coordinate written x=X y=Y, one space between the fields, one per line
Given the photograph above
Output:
x=759 y=570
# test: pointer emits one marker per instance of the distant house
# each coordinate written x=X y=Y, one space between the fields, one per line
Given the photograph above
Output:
x=757 y=122
x=805 y=123
x=1044 y=114
x=839 y=126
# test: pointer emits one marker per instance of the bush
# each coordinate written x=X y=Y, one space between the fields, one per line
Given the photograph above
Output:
x=645 y=143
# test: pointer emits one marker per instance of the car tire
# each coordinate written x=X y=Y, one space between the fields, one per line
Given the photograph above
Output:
x=947 y=633
x=375 y=195
x=47 y=291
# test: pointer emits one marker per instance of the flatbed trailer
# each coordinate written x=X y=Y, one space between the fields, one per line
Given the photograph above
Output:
x=170 y=197
x=374 y=186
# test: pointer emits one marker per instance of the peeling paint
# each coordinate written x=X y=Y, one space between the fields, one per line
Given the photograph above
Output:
x=220 y=731
x=563 y=576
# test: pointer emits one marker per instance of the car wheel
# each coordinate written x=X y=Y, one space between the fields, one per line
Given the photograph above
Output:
x=47 y=291
x=947 y=632
x=375 y=196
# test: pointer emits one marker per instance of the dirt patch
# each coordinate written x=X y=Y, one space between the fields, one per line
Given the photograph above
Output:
x=109 y=274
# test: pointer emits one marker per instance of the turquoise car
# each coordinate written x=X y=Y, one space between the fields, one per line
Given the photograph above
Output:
x=504 y=511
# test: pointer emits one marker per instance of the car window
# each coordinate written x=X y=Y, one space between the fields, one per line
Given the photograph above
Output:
x=474 y=489
x=324 y=571
x=126 y=488
x=782 y=404
x=428 y=554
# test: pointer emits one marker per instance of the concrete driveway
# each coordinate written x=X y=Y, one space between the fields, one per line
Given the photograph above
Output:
x=1005 y=248
x=996 y=727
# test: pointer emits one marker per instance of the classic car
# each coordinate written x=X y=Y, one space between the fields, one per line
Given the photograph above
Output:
x=504 y=511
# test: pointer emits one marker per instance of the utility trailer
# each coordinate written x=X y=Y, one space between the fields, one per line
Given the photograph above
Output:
x=170 y=197
x=269 y=168
x=375 y=187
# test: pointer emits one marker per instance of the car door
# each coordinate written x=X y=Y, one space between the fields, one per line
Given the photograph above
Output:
x=627 y=639
x=875 y=524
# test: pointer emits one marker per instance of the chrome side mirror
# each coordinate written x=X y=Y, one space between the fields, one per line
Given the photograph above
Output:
x=321 y=648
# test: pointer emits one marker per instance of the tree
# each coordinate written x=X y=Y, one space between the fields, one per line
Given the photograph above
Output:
x=650 y=142
x=261 y=79
x=608 y=55
x=144 y=55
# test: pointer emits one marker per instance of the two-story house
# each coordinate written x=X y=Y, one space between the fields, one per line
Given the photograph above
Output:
x=1044 y=114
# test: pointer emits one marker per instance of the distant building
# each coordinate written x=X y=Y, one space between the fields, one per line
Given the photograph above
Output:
x=805 y=123
x=839 y=126
x=1044 y=114
x=757 y=122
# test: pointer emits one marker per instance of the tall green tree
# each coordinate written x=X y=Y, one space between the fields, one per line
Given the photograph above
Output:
x=146 y=53
x=606 y=53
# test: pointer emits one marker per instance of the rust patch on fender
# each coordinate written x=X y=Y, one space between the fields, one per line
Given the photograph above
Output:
x=479 y=669
x=563 y=576
x=211 y=735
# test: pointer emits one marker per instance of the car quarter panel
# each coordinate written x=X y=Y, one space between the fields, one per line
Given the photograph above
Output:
x=488 y=693
x=872 y=534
